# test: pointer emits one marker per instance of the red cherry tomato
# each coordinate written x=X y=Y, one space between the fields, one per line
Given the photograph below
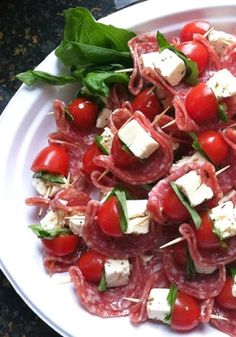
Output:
x=204 y=234
x=53 y=159
x=84 y=112
x=174 y=208
x=214 y=145
x=201 y=104
x=62 y=245
x=185 y=312
x=225 y=297
x=121 y=157
x=180 y=253
x=91 y=265
x=196 y=52
x=147 y=102
x=200 y=27
x=88 y=164
x=109 y=217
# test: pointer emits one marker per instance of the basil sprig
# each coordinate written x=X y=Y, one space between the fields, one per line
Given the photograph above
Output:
x=98 y=141
x=50 y=177
x=48 y=233
x=191 y=76
x=190 y=267
x=171 y=298
x=102 y=285
x=222 y=113
x=193 y=213
x=197 y=146
x=232 y=271
x=121 y=196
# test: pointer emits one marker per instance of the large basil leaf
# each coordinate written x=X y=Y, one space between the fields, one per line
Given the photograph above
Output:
x=48 y=233
x=32 y=77
x=50 y=177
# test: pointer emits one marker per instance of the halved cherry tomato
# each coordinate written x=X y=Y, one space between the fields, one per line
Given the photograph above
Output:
x=201 y=104
x=91 y=265
x=180 y=253
x=62 y=245
x=109 y=217
x=204 y=234
x=147 y=102
x=88 y=164
x=84 y=112
x=200 y=27
x=196 y=52
x=225 y=297
x=174 y=208
x=53 y=159
x=121 y=157
x=214 y=145
x=185 y=312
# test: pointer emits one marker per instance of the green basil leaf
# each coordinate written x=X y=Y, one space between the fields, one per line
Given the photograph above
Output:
x=50 y=177
x=98 y=141
x=197 y=146
x=218 y=233
x=232 y=271
x=222 y=113
x=190 y=268
x=193 y=213
x=171 y=298
x=49 y=233
x=102 y=285
x=191 y=76
x=32 y=77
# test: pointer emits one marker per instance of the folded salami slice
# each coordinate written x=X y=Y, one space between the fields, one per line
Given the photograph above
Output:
x=202 y=286
x=152 y=168
x=70 y=199
x=140 y=44
x=228 y=59
x=110 y=303
x=228 y=326
x=37 y=201
x=59 y=264
x=122 y=247
x=206 y=257
x=159 y=192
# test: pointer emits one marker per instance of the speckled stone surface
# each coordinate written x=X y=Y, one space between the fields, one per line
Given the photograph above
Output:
x=29 y=31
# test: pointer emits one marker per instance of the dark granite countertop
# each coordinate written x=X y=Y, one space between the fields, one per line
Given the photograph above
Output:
x=29 y=30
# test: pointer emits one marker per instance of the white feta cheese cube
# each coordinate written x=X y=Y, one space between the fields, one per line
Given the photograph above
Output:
x=139 y=142
x=223 y=217
x=167 y=63
x=76 y=223
x=136 y=212
x=223 y=84
x=53 y=219
x=107 y=139
x=204 y=270
x=220 y=40
x=117 y=272
x=234 y=287
x=103 y=118
x=188 y=160
x=45 y=188
x=193 y=188
x=157 y=305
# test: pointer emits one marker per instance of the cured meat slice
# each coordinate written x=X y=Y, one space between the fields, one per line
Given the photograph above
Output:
x=160 y=190
x=37 y=201
x=124 y=247
x=153 y=168
x=110 y=303
x=206 y=310
x=59 y=264
x=202 y=286
x=228 y=325
x=69 y=199
x=206 y=257
x=228 y=59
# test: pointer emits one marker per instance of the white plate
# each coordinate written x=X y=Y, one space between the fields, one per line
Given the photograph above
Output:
x=23 y=132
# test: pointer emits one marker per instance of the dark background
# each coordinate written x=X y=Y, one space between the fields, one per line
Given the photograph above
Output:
x=29 y=31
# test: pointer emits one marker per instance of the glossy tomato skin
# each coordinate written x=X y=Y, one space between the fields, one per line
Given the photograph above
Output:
x=147 y=102
x=214 y=145
x=200 y=27
x=52 y=159
x=201 y=104
x=173 y=207
x=225 y=297
x=121 y=157
x=61 y=245
x=196 y=52
x=91 y=265
x=185 y=312
x=84 y=113
x=109 y=217
x=88 y=164
x=206 y=238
